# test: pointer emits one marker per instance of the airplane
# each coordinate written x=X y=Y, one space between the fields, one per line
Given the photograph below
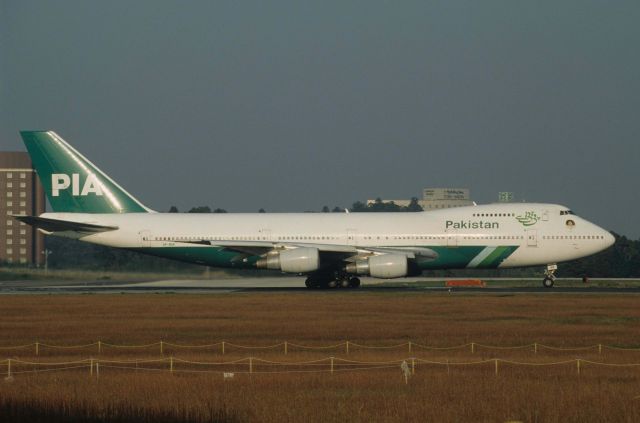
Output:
x=330 y=249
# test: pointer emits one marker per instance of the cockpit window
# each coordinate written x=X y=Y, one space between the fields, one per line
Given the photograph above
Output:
x=565 y=212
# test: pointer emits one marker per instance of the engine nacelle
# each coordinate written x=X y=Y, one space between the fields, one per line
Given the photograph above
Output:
x=297 y=260
x=382 y=266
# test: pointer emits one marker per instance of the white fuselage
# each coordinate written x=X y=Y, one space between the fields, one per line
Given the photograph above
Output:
x=537 y=233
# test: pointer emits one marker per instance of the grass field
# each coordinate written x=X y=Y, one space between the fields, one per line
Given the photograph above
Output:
x=435 y=393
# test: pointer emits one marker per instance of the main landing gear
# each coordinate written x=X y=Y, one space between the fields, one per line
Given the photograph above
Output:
x=332 y=281
x=549 y=276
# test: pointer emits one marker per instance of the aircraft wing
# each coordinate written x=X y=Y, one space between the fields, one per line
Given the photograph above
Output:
x=262 y=247
x=411 y=252
x=56 y=225
x=332 y=251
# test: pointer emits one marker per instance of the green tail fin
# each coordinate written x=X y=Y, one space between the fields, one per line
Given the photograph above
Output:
x=72 y=183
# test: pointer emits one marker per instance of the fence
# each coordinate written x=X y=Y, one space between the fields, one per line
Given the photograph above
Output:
x=254 y=365
x=286 y=347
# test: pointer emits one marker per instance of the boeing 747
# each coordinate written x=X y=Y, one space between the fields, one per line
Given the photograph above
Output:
x=331 y=249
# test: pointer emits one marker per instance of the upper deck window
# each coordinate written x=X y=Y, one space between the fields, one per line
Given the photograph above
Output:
x=565 y=212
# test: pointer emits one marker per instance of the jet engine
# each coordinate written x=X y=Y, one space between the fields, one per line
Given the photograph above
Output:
x=382 y=266
x=297 y=260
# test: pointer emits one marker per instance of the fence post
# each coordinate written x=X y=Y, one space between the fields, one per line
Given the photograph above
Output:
x=9 y=369
x=91 y=368
x=171 y=364
x=535 y=348
x=222 y=347
x=599 y=348
x=473 y=347
x=161 y=348
x=37 y=347
x=250 y=364
x=331 y=365
x=413 y=366
x=99 y=347
x=496 y=361
x=347 y=344
x=97 y=370
x=578 y=365
x=285 y=347
x=409 y=347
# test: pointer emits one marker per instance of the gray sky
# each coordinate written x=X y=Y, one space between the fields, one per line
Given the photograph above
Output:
x=294 y=105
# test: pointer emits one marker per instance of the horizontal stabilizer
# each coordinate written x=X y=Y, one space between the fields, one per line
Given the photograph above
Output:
x=56 y=225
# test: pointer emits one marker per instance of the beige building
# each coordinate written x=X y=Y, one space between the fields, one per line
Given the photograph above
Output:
x=20 y=193
x=438 y=198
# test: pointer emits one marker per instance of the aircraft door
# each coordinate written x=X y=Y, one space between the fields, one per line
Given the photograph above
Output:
x=145 y=237
x=532 y=237
x=265 y=235
x=452 y=239
x=352 y=236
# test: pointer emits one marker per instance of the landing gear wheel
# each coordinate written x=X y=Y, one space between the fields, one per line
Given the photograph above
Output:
x=313 y=282
x=549 y=276
x=354 y=282
x=344 y=283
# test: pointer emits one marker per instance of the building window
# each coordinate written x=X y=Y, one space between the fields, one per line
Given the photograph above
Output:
x=23 y=184
x=9 y=184
x=9 y=231
x=9 y=250
x=9 y=194
x=23 y=175
x=9 y=175
x=9 y=241
x=23 y=204
x=9 y=212
x=9 y=203
x=23 y=259
x=23 y=231
x=23 y=251
x=23 y=194
x=9 y=222
x=23 y=241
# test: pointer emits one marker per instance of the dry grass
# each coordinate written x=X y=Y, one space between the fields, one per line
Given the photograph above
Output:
x=435 y=393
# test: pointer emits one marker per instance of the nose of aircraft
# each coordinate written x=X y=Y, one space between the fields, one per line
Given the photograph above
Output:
x=609 y=239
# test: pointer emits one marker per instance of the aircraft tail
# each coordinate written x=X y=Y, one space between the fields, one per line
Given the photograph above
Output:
x=72 y=183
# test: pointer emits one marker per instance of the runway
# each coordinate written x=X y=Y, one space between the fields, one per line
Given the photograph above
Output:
x=296 y=285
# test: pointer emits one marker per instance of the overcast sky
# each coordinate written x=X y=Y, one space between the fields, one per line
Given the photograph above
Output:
x=290 y=106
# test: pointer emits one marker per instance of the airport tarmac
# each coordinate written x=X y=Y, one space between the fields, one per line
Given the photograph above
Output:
x=291 y=284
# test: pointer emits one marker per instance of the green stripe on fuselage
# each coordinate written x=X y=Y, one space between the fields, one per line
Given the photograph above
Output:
x=497 y=257
x=448 y=257
x=204 y=255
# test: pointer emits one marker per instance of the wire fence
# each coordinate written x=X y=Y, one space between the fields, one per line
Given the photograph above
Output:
x=286 y=347
x=254 y=365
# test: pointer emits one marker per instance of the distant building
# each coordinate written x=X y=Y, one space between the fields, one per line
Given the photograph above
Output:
x=505 y=197
x=438 y=198
x=20 y=193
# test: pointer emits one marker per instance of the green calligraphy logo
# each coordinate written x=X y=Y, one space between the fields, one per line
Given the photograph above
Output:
x=529 y=218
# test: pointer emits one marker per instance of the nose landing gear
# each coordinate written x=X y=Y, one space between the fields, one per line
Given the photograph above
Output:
x=549 y=276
